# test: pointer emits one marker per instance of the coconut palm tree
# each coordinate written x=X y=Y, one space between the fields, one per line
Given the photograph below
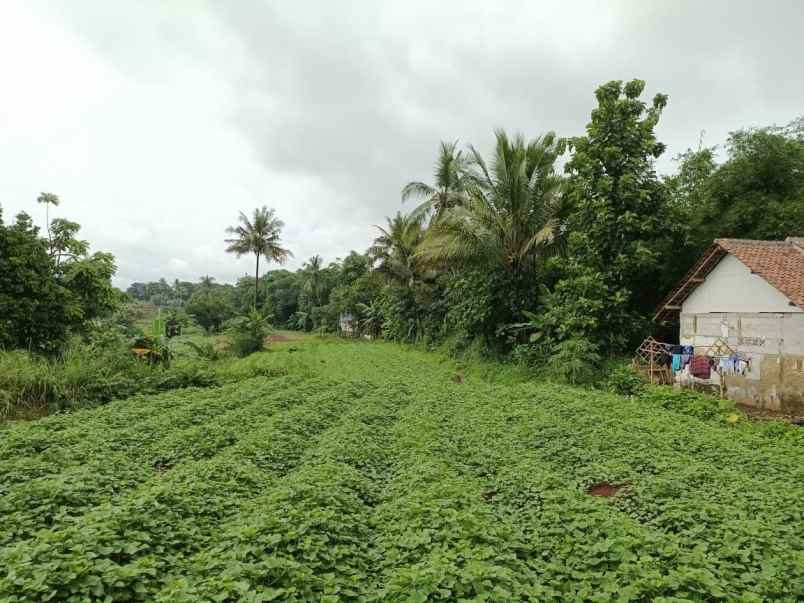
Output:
x=450 y=183
x=394 y=252
x=312 y=278
x=260 y=235
x=508 y=218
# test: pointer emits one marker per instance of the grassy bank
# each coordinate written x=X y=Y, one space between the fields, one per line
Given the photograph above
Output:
x=85 y=376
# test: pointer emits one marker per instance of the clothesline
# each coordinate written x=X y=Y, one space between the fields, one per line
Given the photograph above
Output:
x=683 y=357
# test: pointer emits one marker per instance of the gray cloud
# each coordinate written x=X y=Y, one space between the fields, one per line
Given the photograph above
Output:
x=158 y=122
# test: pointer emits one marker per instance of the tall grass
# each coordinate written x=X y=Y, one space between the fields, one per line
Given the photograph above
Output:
x=84 y=375
x=31 y=384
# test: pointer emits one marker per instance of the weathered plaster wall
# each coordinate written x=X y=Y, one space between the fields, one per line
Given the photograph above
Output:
x=774 y=342
x=731 y=287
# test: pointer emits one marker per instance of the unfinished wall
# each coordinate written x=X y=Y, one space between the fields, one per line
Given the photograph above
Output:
x=774 y=343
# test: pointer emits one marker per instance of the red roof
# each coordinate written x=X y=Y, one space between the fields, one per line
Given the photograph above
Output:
x=780 y=263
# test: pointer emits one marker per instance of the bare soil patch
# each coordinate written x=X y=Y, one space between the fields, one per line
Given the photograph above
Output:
x=766 y=414
x=278 y=337
x=604 y=489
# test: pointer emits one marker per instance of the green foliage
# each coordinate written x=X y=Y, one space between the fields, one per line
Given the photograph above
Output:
x=369 y=317
x=687 y=401
x=621 y=379
x=32 y=303
x=451 y=183
x=508 y=218
x=757 y=193
x=582 y=304
x=367 y=472
x=393 y=253
x=247 y=333
x=621 y=225
x=473 y=299
x=210 y=308
x=152 y=348
x=87 y=375
x=282 y=289
x=49 y=288
x=574 y=361
x=206 y=349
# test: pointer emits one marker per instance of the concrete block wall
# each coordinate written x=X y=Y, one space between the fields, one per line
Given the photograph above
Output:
x=773 y=342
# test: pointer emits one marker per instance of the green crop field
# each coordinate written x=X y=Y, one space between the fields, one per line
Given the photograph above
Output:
x=372 y=472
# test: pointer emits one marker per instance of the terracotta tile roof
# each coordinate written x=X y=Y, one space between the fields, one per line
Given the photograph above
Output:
x=780 y=263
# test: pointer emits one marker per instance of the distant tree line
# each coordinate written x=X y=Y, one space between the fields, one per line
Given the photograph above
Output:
x=313 y=297
x=505 y=254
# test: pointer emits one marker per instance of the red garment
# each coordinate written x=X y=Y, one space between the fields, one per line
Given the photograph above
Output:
x=700 y=367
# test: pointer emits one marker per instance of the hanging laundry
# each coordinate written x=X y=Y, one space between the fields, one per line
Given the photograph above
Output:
x=686 y=354
x=676 y=362
x=664 y=358
x=700 y=367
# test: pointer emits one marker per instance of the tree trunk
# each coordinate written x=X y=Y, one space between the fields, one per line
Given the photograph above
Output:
x=257 y=284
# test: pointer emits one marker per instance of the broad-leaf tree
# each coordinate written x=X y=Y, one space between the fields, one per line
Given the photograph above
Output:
x=209 y=307
x=261 y=234
x=50 y=288
x=758 y=193
x=621 y=228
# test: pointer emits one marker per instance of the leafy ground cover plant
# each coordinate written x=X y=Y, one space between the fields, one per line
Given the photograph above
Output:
x=367 y=472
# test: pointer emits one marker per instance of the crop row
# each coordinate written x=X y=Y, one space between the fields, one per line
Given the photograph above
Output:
x=376 y=476
x=129 y=546
x=309 y=536
x=117 y=466
x=123 y=548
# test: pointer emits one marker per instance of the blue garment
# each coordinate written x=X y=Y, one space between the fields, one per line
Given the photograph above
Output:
x=676 y=362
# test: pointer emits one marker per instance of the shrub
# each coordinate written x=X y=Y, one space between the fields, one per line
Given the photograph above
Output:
x=247 y=333
x=152 y=349
x=623 y=380
x=210 y=308
x=205 y=349
x=528 y=355
x=574 y=361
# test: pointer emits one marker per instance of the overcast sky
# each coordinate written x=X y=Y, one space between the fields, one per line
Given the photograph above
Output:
x=155 y=122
